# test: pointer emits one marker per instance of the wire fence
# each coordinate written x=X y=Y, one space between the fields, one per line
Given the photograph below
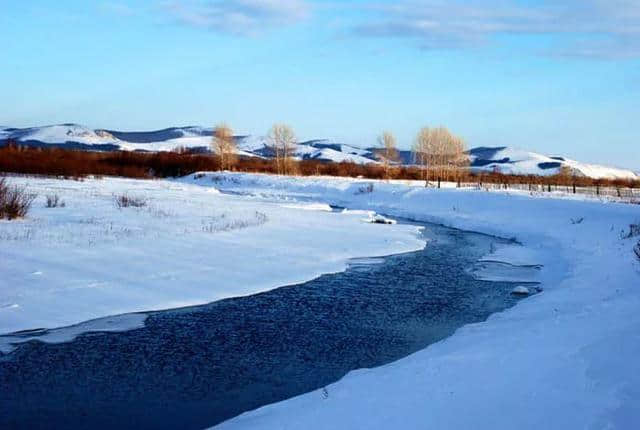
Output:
x=626 y=194
x=620 y=192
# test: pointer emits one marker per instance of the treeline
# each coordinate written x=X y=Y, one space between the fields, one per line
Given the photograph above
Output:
x=77 y=164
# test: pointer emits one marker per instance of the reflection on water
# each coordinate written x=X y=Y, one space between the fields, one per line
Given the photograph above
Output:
x=195 y=367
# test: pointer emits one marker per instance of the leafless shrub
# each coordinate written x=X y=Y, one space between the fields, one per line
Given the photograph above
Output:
x=365 y=189
x=634 y=230
x=15 y=202
x=219 y=179
x=54 y=201
x=221 y=223
x=22 y=235
x=126 y=201
x=575 y=221
x=159 y=212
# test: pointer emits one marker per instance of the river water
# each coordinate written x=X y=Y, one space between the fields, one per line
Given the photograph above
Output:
x=195 y=367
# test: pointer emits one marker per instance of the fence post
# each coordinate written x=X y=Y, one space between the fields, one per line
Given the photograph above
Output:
x=438 y=182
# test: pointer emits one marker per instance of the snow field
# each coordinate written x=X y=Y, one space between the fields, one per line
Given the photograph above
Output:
x=561 y=359
x=188 y=245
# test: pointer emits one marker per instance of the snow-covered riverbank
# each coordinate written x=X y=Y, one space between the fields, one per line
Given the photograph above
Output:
x=188 y=245
x=562 y=359
x=565 y=358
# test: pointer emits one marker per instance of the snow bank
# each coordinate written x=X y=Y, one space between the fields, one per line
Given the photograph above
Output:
x=189 y=245
x=565 y=358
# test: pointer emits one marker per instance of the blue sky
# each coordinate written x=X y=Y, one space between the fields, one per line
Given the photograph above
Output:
x=558 y=79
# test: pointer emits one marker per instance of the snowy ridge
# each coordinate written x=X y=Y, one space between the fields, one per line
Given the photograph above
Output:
x=514 y=161
x=505 y=160
x=60 y=134
x=192 y=137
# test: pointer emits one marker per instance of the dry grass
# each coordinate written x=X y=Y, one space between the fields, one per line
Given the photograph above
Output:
x=126 y=201
x=15 y=202
x=78 y=164
x=54 y=201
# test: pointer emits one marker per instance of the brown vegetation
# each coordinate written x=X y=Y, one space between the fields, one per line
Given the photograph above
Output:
x=224 y=146
x=126 y=201
x=54 y=201
x=15 y=202
x=77 y=164
x=440 y=153
x=387 y=154
x=282 y=141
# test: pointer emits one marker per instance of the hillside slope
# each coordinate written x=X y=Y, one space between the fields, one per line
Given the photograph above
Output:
x=505 y=160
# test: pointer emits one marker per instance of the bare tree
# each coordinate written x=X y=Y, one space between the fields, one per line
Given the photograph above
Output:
x=388 y=152
x=224 y=146
x=567 y=176
x=439 y=152
x=282 y=142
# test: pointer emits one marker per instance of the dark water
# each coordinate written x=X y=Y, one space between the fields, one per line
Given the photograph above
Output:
x=194 y=367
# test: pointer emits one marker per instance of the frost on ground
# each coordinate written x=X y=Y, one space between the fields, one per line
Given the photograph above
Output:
x=562 y=359
x=185 y=245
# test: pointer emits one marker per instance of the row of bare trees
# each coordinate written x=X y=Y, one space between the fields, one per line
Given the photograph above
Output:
x=439 y=152
x=23 y=159
x=281 y=141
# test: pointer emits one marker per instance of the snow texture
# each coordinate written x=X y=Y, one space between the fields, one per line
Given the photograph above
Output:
x=564 y=358
x=188 y=245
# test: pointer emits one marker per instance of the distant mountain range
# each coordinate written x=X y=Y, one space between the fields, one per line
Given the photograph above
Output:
x=505 y=160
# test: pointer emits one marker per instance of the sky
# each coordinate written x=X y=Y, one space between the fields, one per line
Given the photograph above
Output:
x=560 y=78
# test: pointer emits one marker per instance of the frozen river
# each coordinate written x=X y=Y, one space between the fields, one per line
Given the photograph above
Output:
x=194 y=367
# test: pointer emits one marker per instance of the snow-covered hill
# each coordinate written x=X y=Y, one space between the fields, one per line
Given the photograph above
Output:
x=513 y=161
x=501 y=159
x=195 y=138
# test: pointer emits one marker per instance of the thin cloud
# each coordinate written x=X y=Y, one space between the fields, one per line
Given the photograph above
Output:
x=239 y=17
x=599 y=28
